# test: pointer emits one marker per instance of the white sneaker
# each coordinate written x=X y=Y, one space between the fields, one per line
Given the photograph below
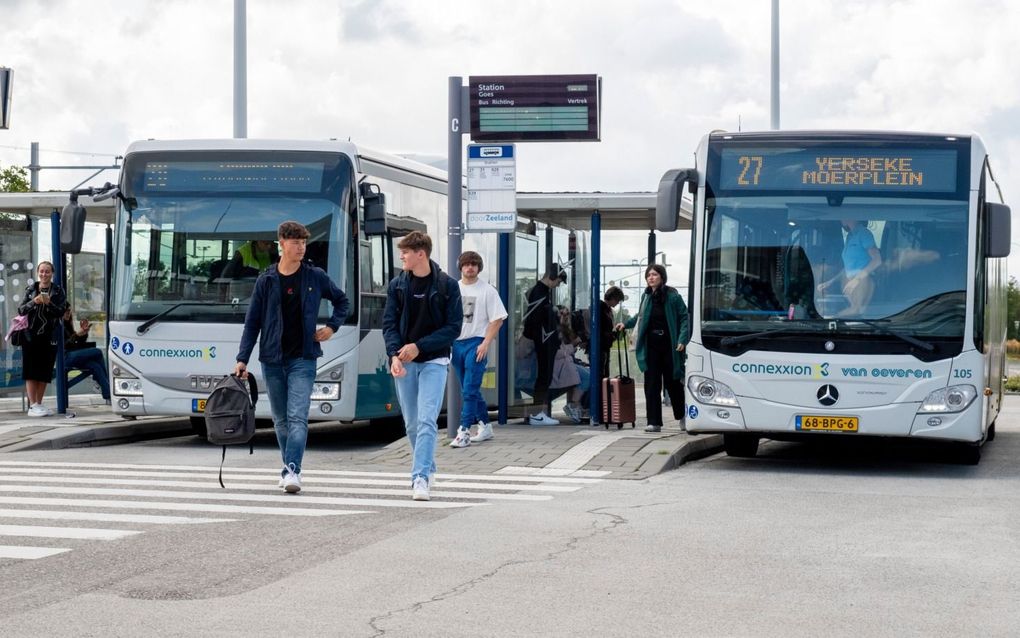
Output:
x=463 y=438
x=542 y=419
x=484 y=432
x=292 y=482
x=37 y=410
x=420 y=489
x=573 y=412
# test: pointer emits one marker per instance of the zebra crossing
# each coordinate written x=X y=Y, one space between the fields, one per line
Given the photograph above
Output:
x=39 y=516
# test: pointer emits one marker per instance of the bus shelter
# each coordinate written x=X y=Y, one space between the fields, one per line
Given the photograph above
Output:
x=586 y=219
x=30 y=224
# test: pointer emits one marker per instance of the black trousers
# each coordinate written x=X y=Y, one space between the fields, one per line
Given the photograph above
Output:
x=545 y=355
x=659 y=374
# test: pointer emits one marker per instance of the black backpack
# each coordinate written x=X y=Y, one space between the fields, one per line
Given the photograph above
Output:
x=230 y=414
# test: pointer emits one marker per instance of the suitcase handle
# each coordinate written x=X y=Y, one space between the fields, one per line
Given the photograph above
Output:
x=619 y=352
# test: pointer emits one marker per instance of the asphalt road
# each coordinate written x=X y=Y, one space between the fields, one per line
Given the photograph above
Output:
x=859 y=540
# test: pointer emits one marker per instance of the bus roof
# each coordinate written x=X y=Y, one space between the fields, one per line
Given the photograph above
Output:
x=838 y=134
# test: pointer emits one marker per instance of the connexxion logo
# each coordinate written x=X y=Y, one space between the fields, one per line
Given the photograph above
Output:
x=128 y=348
x=816 y=371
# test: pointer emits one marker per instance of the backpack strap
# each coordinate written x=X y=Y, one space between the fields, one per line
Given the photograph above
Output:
x=253 y=392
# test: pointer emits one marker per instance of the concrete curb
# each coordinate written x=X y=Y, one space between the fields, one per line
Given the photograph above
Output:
x=691 y=450
x=95 y=435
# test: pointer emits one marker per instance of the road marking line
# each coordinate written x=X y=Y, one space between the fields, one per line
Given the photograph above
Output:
x=581 y=454
x=542 y=472
x=438 y=490
x=43 y=475
x=30 y=553
x=231 y=496
x=579 y=479
x=82 y=533
x=176 y=507
x=111 y=518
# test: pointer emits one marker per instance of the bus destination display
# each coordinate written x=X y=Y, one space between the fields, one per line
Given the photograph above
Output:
x=233 y=177
x=534 y=108
x=838 y=168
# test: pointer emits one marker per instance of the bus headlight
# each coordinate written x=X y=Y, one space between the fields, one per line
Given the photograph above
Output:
x=712 y=392
x=955 y=398
x=325 y=391
x=128 y=387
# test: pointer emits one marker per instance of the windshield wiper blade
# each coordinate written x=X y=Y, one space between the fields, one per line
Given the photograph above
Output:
x=142 y=329
x=784 y=327
x=923 y=345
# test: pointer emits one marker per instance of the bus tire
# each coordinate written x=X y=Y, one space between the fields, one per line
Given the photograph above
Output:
x=740 y=445
x=198 y=427
x=968 y=453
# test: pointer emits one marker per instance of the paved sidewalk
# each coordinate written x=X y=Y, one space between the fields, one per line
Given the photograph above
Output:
x=560 y=450
x=89 y=421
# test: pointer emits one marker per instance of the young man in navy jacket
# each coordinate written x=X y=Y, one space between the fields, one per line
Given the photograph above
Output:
x=423 y=318
x=283 y=309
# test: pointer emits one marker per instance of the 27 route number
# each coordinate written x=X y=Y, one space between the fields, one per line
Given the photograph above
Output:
x=749 y=176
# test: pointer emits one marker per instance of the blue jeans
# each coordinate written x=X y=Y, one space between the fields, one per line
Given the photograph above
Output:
x=91 y=360
x=290 y=390
x=421 y=392
x=470 y=372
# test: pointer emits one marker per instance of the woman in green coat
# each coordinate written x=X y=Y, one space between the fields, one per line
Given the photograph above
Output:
x=663 y=333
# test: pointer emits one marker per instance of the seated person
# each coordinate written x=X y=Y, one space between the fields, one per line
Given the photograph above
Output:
x=78 y=354
x=252 y=258
x=860 y=259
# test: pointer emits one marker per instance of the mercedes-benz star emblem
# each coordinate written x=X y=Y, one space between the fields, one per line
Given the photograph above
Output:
x=827 y=394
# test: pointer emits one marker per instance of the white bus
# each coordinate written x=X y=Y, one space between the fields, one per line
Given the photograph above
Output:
x=180 y=290
x=844 y=284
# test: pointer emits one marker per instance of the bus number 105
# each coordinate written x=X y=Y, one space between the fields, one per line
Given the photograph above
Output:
x=749 y=176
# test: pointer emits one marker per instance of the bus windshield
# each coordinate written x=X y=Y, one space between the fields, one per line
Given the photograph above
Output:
x=202 y=227
x=846 y=241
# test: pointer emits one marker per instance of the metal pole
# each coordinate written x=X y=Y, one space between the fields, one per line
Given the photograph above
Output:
x=33 y=167
x=58 y=276
x=454 y=202
x=775 y=65
x=595 y=347
x=240 y=70
x=651 y=247
x=503 y=367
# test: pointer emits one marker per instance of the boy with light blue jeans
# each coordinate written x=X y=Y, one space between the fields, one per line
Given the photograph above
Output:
x=422 y=319
x=483 y=315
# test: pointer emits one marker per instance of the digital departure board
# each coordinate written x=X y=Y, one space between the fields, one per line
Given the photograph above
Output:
x=232 y=177
x=535 y=108
x=840 y=168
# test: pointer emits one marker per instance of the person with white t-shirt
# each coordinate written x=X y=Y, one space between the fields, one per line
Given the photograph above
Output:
x=483 y=316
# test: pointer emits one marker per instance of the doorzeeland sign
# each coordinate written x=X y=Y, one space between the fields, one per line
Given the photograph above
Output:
x=492 y=188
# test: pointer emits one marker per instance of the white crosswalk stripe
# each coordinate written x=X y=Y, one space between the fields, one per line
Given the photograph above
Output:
x=80 y=492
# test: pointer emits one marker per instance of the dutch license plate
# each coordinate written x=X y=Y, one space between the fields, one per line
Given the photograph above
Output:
x=830 y=423
x=198 y=405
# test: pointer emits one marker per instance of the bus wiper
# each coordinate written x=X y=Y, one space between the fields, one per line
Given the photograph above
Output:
x=142 y=329
x=923 y=345
x=784 y=327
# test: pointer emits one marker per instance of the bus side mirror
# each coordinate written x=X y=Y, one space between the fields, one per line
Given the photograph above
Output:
x=374 y=202
x=997 y=230
x=671 y=190
x=72 y=228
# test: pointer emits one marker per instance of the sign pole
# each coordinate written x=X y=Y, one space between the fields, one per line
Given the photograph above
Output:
x=454 y=213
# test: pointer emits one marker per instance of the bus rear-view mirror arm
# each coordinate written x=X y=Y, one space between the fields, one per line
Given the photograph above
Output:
x=671 y=190
x=997 y=230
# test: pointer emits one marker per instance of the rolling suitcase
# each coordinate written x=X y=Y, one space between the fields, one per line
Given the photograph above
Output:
x=618 y=395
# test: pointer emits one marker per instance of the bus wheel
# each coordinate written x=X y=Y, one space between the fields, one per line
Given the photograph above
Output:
x=198 y=427
x=740 y=445
x=968 y=453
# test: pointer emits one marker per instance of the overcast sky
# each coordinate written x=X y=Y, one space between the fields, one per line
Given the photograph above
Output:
x=93 y=76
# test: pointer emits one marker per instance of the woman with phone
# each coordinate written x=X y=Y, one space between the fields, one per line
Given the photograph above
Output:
x=44 y=306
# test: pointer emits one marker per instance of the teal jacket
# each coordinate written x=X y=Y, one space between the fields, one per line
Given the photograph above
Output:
x=679 y=328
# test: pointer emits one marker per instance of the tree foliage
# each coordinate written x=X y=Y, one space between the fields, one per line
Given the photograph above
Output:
x=13 y=179
x=1012 y=308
